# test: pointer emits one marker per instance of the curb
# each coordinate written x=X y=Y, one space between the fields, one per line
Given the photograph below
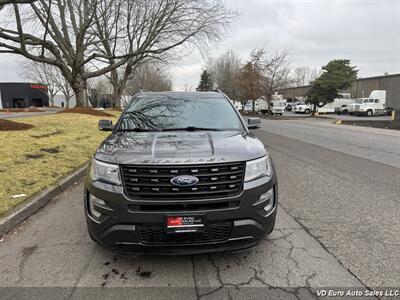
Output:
x=28 y=208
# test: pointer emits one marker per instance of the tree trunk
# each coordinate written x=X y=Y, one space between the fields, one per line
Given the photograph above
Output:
x=79 y=88
x=67 y=102
x=51 y=99
x=269 y=105
x=314 y=110
x=254 y=106
x=116 y=95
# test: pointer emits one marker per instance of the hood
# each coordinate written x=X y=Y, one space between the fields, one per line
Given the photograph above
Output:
x=179 y=147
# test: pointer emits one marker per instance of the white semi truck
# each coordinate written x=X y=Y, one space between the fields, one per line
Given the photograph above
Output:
x=374 y=105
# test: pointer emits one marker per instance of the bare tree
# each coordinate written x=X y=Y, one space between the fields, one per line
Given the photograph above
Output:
x=314 y=74
x=275 y=69
x=301 y=76
x=40 y=73
x=5 y=2
x=57 y=33
x=160 y=26
x=64 y=88
x=250 y=78
x=48 y=75
x=70 y=35
x=225 y=73
x=148 y=77
x=91 y=92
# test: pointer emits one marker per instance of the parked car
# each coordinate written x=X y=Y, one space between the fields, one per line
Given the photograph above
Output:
x=249 y=107
x=342 y=110
x=290 y=105
x=302 y=108
x=173 y=177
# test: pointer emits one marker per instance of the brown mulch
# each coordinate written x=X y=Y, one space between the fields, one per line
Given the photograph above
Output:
x=21 y=110
x=86 y=111
x=7 y=125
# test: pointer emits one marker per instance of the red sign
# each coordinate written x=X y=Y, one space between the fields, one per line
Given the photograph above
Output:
x=39 y=86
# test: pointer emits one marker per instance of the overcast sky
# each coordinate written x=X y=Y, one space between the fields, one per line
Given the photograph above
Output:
x=314 y=32
x=366 y=32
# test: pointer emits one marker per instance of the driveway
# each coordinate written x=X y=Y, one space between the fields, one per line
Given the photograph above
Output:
x=52 y=249
x=337 y=227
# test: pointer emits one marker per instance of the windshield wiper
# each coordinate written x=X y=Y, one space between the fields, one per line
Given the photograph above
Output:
x=137 y=130
x=192 y=128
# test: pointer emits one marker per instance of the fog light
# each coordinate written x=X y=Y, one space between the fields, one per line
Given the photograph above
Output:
x=269 y=199
x=92 y=210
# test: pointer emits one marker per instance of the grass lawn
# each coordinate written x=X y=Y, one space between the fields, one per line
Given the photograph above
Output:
x=34 y=159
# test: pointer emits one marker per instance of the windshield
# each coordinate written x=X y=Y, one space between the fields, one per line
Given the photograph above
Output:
x=359 y=100
x=161 y=112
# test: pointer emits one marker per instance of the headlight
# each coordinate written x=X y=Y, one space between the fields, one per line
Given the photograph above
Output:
x=258 y=168
x=105 y=172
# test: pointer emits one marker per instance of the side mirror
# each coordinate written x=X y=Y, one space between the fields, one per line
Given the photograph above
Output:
x=106 y=125
x=253 y=123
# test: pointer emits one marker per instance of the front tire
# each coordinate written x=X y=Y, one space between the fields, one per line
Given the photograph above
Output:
x=92 y=238
x=307 y=111
x=370 y=113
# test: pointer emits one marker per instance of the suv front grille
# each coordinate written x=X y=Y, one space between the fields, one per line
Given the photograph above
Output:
x=156 y=235
x=154 y=182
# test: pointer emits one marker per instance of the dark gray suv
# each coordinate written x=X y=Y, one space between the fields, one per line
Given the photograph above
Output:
x=180 y=174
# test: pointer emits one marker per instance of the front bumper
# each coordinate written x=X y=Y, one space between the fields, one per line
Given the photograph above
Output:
x=120 y=225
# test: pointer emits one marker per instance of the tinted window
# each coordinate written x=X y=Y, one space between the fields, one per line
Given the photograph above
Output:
x=165 y=112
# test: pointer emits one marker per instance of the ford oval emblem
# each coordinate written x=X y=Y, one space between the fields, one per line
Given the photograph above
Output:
x=184 y=180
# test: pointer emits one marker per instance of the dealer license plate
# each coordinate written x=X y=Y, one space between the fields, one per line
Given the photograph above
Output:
x=189 y=223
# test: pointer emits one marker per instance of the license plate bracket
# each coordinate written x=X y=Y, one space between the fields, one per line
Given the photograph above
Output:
x=185 y=223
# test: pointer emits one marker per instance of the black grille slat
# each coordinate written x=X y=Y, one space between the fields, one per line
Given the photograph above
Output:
x=187 y=173
x=156 y=235
x=146 y=184
x=153 y=182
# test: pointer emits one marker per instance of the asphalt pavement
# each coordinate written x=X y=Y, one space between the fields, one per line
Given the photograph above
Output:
x=52 y=249
x=337 y=226
x=342 y=184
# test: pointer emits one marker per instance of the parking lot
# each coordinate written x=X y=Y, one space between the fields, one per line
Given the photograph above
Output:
x=289 y=114
x=338 y=224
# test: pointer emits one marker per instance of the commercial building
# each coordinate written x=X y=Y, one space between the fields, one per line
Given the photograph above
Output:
x=361 y=88
x=21 y=94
